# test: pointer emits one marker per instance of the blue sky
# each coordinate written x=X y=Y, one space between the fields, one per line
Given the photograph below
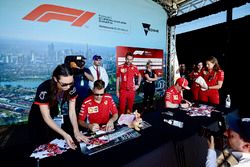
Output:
x=212 y=19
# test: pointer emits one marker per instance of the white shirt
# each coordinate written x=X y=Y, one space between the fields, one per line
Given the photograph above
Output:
x=103 y=75
x=243 y=158
x=211 y=158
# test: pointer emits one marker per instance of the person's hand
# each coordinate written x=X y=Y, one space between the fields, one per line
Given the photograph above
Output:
x=73 y=65
x=94 y=127
x=70 y=142
x=80 y=137
x=184 y=105
x=137 y=87
x=211 y=143
x=110 y=125
x=204 y=88
x=148 y=81
x=117 y=94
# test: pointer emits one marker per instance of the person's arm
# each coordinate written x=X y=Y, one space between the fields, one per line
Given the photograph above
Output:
x=82 y=116
x=117 y=86
x=211 y=155
x=89 y=76
x=114 y=113
x=148 y=79
x=171 y=105
x=105 y=77
x=83 y=123
x=110 y=124
x=218 y=86
x=185 y=103
x=155 y=77
x=93 y=127
x=72 y=115
x=169 y=99
x=151 y=79
x=139 y=81
x=45 y=111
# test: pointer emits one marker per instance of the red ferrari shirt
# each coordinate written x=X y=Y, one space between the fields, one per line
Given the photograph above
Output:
x=213 y=77
x=173 y=96
x=98 y=112
x=127 y=74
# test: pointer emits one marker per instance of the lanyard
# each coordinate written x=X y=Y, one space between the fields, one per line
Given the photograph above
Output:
x=60 y=107
x=60 y=102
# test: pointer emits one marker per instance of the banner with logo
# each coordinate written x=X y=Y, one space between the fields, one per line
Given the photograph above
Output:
x=37 y=35
x=141 y=57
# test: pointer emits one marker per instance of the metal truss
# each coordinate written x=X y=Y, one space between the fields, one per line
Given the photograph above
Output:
x=179 y=7
x=191 y=5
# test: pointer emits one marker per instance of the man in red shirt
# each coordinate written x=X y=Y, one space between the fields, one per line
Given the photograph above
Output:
x=174 y=94
x=97 y=108
x=125 y=83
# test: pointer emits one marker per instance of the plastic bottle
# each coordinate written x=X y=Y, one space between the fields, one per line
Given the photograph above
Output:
x=174 y=123
x=228 y=102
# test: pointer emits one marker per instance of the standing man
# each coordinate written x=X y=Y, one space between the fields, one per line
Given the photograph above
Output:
x=126 y=84
x=98 y=72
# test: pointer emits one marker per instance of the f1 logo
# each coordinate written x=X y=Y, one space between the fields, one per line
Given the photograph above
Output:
x=47 y=12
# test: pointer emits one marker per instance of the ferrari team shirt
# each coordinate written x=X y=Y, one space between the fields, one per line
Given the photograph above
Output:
x=127 y=74
x=98 y=112
x=173 y=96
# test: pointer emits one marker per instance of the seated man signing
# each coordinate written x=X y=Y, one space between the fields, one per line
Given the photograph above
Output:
x=98 y=108
x=174 y=95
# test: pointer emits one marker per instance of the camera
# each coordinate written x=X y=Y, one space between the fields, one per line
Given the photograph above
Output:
x=219 y=138
x=79 y=60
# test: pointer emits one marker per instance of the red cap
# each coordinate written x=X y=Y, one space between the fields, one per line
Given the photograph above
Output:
x=183 y=82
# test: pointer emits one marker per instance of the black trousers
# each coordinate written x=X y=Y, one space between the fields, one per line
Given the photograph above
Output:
x=41 y=133
x=149 y=91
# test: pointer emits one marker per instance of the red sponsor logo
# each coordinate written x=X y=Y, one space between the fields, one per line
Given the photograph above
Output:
x=47 y=12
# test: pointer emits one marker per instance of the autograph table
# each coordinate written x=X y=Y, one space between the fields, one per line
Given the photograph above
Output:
x=159 y=145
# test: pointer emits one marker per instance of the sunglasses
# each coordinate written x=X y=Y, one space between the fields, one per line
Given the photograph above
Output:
x=96 y=94
x=65 y=84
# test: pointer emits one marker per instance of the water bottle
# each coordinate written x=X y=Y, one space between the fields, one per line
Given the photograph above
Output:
x=228 y=102
x=174 y=122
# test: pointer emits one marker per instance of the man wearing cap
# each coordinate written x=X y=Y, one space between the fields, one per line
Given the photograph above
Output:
x=174 y=94
x=126 y=85
x=98 y=72
x=238 y=136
